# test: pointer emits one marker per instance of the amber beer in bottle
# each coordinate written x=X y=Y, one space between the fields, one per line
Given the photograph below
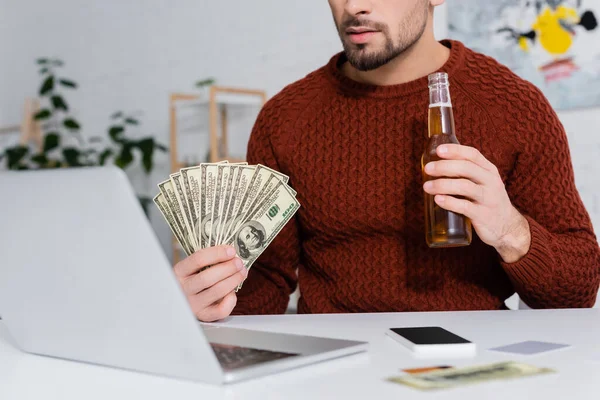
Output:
x=443 y=228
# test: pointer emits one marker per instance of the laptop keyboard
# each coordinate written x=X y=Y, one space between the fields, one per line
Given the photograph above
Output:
x=234 y=357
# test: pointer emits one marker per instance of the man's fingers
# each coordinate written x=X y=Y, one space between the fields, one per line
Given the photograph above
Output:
x=196 y=283
x=203 y=258
x=460 y=152
x=219 y=290
x=219 y=310
x=457 y=187
x=459 y=206
x=458 y=169
x=227 y=305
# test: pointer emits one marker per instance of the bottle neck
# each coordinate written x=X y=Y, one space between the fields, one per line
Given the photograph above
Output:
x=441 y=118
x=439 y=95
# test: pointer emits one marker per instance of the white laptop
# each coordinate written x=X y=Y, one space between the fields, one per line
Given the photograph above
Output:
x=83 y=277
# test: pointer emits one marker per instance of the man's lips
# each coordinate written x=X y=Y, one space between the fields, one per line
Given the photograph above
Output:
x=360 y=35
x=360 y=29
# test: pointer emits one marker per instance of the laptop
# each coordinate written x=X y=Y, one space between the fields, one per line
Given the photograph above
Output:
x=83 y=277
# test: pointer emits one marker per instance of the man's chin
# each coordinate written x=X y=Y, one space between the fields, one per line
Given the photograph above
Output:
x=364 y=63
x=363 y=58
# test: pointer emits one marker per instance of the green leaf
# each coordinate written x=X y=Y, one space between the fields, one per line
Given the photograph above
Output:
x=125 y=157
x=59 y=103
x=51 y=141
x=68 y=83
x=115 y=132
x=44 y=70
x=15 y=155
x=47 y=86
x=104 y=156
x=205 y=82
x=117 y=115
x=40 y=159
x=132 y=121
x=42 y=61
x=71 y=124
x=71 y=156
x=58 y=63
x=146 y=146
x=42 y=114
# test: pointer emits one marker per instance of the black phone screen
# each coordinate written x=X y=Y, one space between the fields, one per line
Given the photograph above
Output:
x=429 y=335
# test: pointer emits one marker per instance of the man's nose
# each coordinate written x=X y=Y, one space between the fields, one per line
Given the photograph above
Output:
x=359 y=7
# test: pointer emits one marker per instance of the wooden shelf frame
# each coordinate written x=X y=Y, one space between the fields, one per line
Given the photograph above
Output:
x=30 y=130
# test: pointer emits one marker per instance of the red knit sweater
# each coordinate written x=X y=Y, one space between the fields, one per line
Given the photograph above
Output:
x=357 y=244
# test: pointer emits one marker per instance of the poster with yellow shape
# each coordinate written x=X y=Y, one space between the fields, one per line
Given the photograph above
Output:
x=552 y=43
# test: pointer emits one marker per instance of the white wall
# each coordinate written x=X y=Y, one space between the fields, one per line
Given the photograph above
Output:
x=131 y=54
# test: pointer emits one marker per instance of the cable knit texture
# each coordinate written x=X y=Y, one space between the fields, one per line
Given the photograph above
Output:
x=357 y=244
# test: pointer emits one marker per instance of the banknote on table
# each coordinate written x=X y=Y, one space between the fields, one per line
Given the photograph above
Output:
x=245 y=206
x=455 y=377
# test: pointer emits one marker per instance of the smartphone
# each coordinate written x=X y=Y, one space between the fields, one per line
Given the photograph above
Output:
x=432 y=341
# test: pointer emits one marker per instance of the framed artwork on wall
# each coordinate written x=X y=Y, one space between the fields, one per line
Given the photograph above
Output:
x=553 y=44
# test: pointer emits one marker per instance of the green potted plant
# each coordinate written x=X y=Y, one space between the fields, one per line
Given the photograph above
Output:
x=64 y=146
x=56 y=120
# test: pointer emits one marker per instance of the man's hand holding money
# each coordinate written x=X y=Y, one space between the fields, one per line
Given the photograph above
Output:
x=211 y=291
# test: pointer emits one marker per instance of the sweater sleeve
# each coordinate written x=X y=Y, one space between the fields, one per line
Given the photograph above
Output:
x=562 y=267
x=272 y=277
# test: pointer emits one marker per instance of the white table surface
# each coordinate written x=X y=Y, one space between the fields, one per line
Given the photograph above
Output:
x=24 y=376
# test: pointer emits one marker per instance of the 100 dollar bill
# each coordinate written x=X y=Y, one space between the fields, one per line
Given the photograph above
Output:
x=171 y=203
x=163 y=206
x=260 y=228
x=454 y=377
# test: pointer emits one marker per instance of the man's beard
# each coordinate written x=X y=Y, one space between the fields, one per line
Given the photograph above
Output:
x=363 y=60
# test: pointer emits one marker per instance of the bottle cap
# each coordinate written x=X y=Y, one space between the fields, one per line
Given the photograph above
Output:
x=438 y=78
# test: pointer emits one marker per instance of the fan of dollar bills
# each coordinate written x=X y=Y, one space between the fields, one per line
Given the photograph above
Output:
x=227 y=204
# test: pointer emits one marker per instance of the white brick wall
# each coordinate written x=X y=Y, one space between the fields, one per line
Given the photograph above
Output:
x=131 y=54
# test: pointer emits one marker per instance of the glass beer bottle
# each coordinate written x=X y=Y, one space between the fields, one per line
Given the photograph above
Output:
x=443 y=228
